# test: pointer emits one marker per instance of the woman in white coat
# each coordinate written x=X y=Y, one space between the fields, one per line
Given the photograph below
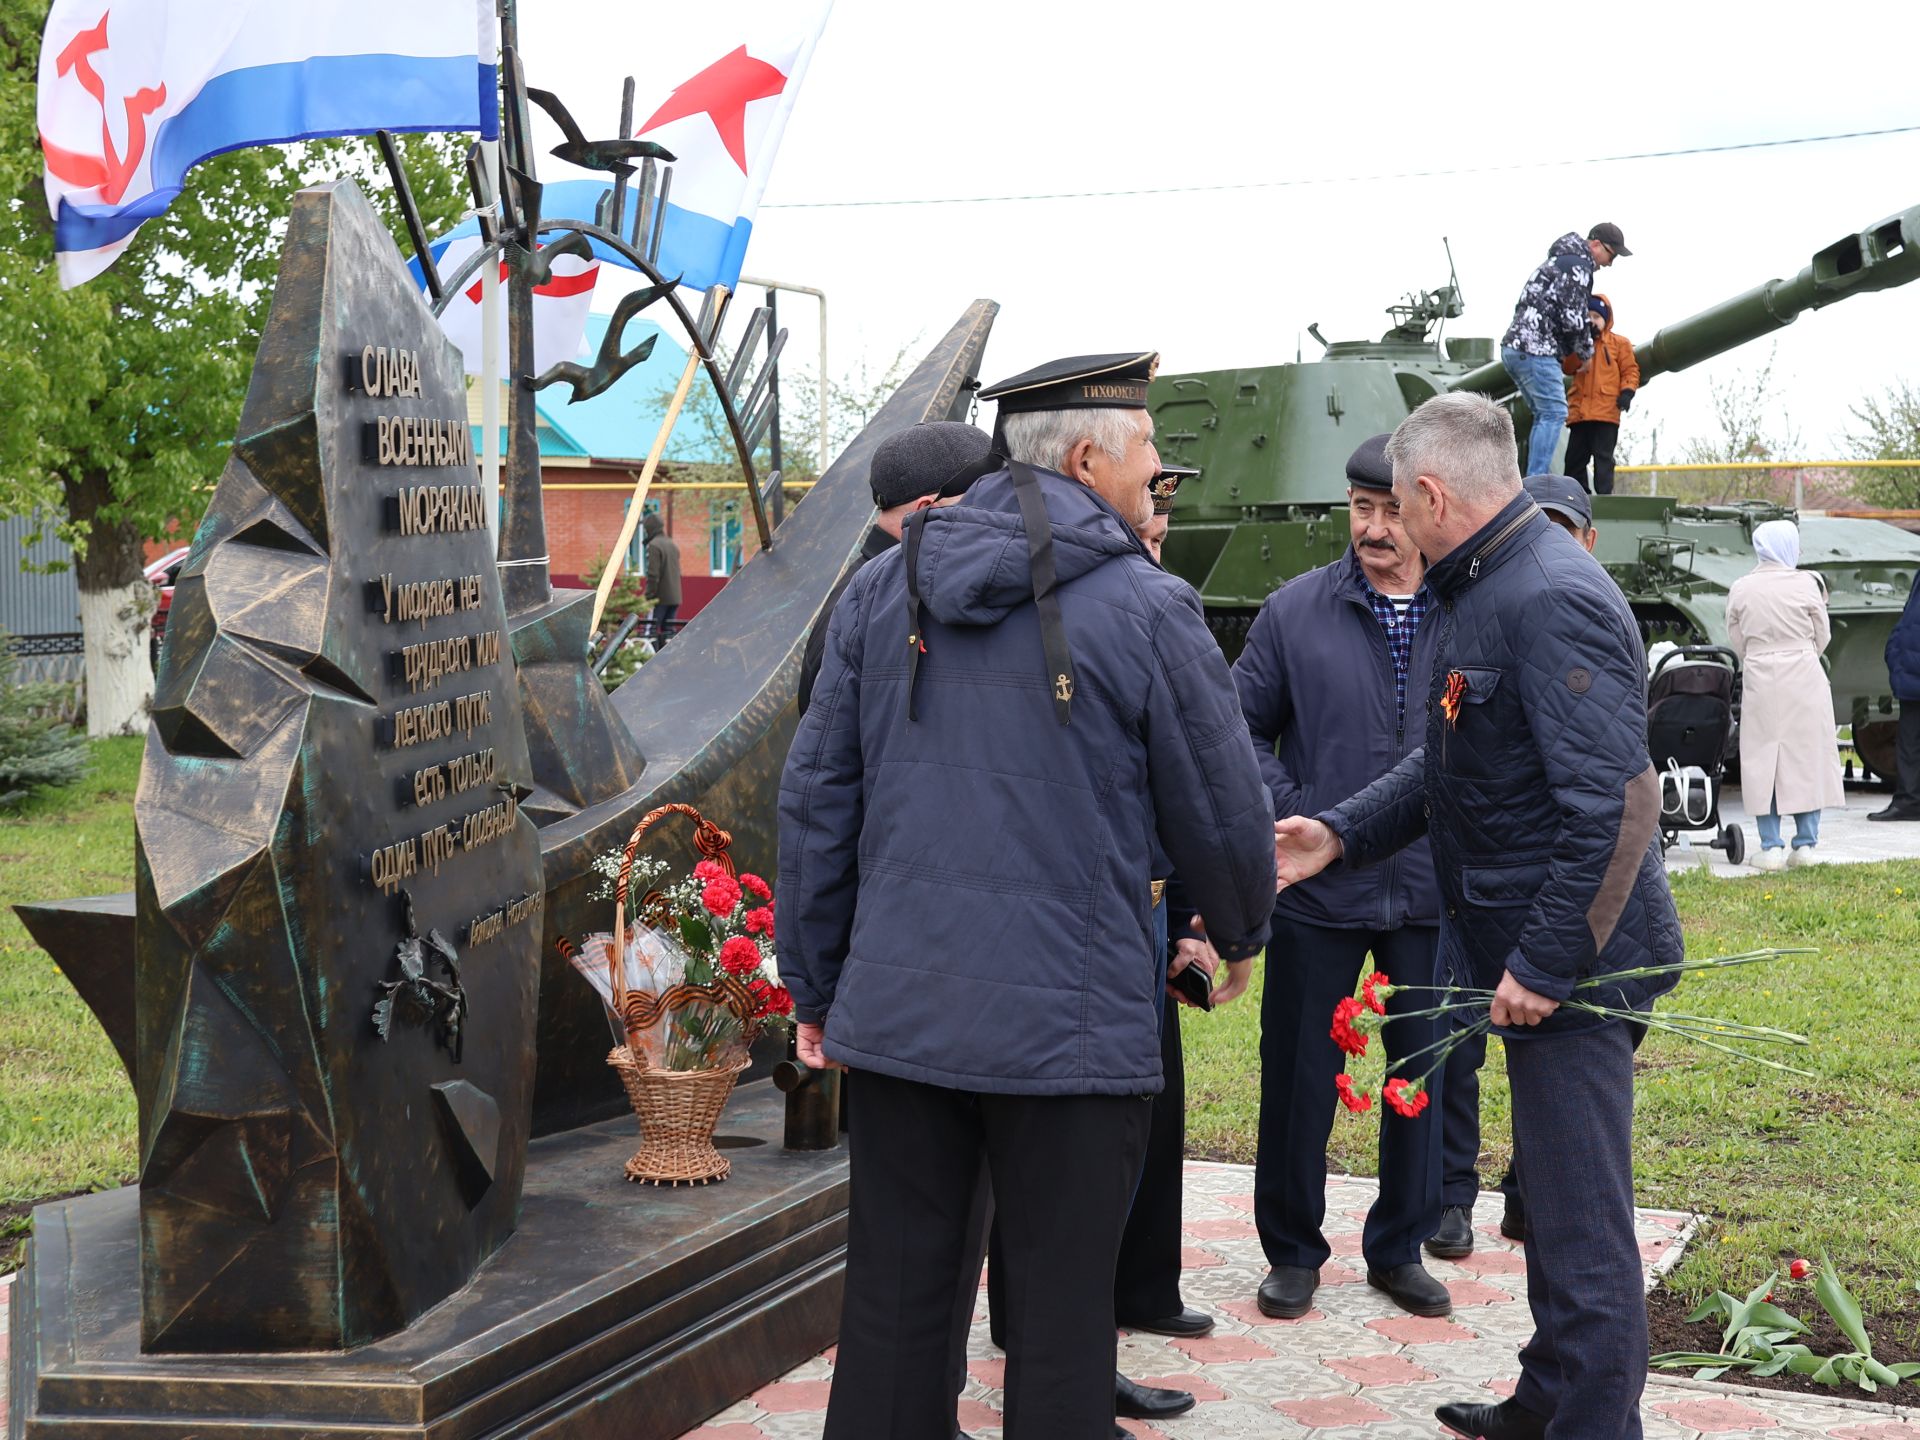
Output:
x=1789 y=760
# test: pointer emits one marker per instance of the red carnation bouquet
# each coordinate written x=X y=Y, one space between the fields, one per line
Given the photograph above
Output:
x=1357 y=1018
x=699 y=964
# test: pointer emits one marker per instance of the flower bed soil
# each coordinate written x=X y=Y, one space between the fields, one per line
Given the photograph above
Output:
x=1667 y=1328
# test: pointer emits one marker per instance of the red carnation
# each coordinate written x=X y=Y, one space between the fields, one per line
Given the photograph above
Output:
x=779 y=1001
x=1799 y=1270
x=1358 y=1101
x=759 y=922
x=721 y=895
x=740 y=956
x=1344 y=1035
x=1407 y=1099
x=709 y=870
x=756 y=887
x=1374 y=991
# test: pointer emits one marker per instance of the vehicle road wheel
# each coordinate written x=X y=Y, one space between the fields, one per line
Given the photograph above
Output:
x=1734 y=841
x=1875 y=743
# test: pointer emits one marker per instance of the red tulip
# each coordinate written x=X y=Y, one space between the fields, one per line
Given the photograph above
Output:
x=1799 y=1270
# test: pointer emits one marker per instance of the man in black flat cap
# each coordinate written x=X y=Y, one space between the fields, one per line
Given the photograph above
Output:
x=1329 y=667
x=924 y=465
x=1016 y=706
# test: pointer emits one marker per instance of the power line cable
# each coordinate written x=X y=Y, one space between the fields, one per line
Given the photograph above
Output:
x=1343 y=179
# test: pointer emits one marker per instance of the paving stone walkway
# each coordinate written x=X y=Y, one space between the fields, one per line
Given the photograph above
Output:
x=1354 y=1368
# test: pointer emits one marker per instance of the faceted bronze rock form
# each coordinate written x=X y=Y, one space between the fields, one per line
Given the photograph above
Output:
x=336 y=738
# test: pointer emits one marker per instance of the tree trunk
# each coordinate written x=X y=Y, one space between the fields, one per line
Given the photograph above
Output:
x=115 y=603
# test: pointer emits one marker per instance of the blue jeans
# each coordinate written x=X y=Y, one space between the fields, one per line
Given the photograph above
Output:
x=1806 y=829
x=1541 y=381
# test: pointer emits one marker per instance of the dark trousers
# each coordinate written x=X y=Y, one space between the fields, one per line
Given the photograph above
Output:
x=1573 y=1140
x=1592 y=440
x=660 y=621
x=1459 y=1112
x=1146 y=1285
x=1906 y=788
x=1062 y=1169
x=1309 y=967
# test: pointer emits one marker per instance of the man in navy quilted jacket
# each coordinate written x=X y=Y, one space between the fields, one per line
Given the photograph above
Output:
x=1015 y=708
x=1535 y=789
x=1903 y=669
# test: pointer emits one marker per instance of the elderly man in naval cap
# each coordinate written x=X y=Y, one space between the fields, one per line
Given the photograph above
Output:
x=1015 y=707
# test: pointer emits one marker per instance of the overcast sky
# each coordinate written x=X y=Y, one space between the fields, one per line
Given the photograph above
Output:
x=907 y=100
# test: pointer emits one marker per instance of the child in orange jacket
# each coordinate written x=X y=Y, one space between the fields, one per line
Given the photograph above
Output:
x=1602 y=392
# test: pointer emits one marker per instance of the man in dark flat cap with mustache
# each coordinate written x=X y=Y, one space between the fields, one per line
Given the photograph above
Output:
x=1333 y=661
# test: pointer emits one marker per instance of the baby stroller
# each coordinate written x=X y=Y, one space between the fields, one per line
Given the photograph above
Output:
x=1692 y=703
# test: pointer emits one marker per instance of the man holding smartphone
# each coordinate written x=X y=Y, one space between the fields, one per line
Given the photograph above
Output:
x=1331 y=664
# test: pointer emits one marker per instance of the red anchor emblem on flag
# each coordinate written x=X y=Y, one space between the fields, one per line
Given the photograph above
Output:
x=109 y=171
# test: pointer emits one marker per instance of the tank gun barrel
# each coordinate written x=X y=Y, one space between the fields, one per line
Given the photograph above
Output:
x=1884 y=255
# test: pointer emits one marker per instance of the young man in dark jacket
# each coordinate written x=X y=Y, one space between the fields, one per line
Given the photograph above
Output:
x=1330 y=666
x=1549 y=324
x=926 y=464
x=663 y=576
x=1903 y=669
x=1016 y=706
x=1536 y=790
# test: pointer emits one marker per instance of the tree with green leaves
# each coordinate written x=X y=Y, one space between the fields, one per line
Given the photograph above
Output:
x=1888 y=428
x=121 y=396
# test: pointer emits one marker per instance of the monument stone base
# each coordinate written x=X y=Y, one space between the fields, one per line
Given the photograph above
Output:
x=616 y=1311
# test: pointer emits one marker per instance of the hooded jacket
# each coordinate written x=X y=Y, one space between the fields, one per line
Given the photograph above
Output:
x=1550 y=318
x=1595 y=392
x=1538 y=793
x=964 y=896
x=663 y=562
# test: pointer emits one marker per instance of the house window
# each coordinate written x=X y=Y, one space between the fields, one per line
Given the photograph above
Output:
x=724 y=539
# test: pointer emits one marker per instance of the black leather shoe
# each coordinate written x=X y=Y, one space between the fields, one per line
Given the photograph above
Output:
x=1185 y=1324
x=1896 y=812
x=1145 y=1402
x=1454 y=1238
x=1411 y=1288
x=1509 y=1420
x=1287 y=1292
x=1513 y=1219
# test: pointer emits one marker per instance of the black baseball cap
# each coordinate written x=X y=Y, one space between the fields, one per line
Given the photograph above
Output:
x=1562 y=495
x=1608 y=234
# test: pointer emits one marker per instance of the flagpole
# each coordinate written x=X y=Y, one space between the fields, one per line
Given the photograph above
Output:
x=490 y=314
x=617 y=559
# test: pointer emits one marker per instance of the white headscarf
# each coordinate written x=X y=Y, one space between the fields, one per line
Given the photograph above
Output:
x=1778 y=541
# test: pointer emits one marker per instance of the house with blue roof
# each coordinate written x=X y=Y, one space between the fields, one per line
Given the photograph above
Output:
x=592 y=452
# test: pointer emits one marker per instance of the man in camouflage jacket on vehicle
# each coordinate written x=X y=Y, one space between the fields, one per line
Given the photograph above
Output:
x=1549 y=322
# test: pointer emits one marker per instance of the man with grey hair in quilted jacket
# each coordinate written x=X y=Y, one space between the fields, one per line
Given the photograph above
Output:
x=1535 y=788
x=1016 y=709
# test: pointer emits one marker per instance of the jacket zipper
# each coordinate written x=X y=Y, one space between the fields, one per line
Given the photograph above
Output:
x=1506 y=532
x=1390 y=867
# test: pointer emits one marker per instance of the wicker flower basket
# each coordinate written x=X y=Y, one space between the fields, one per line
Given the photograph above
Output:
x=678 y=1109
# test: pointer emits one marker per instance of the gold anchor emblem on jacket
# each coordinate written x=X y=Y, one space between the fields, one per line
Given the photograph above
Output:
x=1062 y=687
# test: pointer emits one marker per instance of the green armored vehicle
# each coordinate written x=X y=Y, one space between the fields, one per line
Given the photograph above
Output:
x=1271 y=444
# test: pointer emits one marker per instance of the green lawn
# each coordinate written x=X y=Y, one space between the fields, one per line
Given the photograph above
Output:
x=66 y=1109
x=1787 y=1166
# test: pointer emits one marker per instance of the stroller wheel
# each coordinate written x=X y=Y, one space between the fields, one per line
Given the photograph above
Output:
x=1734 y=841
